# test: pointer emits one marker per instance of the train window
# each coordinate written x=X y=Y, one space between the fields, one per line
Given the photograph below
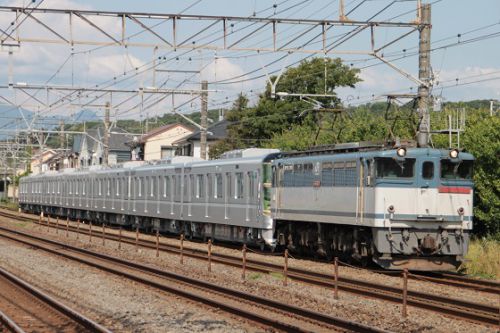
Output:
x=428 y=170
x=152 y=187
x=108 y=183
x=287 y=175
x=251 y=184
x=139 y=186
x=166 y=186
x=177 y=186
x=238 y=186
x=210 y=185
x=460 y=170
x=58 y=187
x=218 y=186
x=189 y=185
x=76 y=187
x=129 y=186
x=117 y=185
x=99 y=187
x=200 y=186
x=390 y=168
x=228 y=185
x=144 y=185
x=84 y=186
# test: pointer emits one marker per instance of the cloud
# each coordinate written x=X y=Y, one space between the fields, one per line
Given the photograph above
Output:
x=379 y=81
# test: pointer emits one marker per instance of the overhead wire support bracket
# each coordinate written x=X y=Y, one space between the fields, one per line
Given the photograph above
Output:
x=401 y=71
x=231 y=40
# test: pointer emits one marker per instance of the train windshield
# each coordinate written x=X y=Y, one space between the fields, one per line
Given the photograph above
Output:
x=459 y=170
x=391 y=168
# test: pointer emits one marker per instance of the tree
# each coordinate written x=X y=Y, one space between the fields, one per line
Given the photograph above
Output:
x=258 y=125
x=482 y=139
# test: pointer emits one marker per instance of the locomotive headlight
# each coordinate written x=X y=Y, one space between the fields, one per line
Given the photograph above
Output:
x=454 y=153
x=401 y=152
x=391 y=209
x=461 y=211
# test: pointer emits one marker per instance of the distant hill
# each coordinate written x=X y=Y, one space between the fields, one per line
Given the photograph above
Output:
x=12 y=118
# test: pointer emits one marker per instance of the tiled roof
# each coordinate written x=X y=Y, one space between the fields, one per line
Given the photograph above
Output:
x=215 y=131
x=162 y=129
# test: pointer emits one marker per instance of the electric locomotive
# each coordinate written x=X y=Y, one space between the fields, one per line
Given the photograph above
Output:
x=402 y=207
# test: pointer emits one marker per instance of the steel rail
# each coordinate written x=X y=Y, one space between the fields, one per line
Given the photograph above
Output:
x=10 y=324
x=451 y=306
x=102 y=261
x=73 y=315
x=461 y=281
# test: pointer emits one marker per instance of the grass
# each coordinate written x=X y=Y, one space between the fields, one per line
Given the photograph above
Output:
x=483 y=259
x=9 y=205
x=254 y=276
x=277 y=275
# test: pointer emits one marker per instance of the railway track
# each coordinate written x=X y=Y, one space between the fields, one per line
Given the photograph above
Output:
x=449 y=279
x=481 y=313
x=24 y=308
x=264 y=311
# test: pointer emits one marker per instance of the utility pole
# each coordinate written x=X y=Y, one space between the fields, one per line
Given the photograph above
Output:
x=61 y=134
x=106 y=133
x=203 y=121
x=424 y=75
x=41 y=140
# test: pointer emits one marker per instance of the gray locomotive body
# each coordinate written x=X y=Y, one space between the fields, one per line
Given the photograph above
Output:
x=409 y=210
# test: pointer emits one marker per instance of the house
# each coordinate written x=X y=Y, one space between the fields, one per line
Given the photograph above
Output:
x=40 y=160
x=159 y=143
x=52 y=159
x=191 y=144
x=88 y=149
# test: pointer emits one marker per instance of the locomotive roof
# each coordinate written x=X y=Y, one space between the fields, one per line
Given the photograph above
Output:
x=411 y=153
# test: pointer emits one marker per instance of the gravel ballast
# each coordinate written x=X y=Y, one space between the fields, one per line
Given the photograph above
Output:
x=368 y=311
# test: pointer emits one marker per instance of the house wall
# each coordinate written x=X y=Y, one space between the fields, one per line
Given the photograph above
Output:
x=35 y=163
x=152 y=147
x=196 y=146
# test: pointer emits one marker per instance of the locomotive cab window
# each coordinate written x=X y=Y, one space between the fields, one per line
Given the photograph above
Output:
x=428 y=170
x=390 y=168
x=461 y=170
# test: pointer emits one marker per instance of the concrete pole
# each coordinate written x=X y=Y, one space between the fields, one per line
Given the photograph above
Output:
x=203 y=121
x=424 y=74
x=61 y=134
x=106 y=133
x=41 y=140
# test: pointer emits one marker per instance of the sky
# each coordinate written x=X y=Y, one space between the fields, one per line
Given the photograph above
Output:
x=465 y=60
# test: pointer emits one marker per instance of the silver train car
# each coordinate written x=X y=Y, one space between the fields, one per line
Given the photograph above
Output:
x=401 y=207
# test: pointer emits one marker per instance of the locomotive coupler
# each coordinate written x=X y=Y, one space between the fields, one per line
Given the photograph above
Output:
x=428 y=244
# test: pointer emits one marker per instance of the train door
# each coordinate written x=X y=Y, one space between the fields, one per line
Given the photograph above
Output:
x=427 y=183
